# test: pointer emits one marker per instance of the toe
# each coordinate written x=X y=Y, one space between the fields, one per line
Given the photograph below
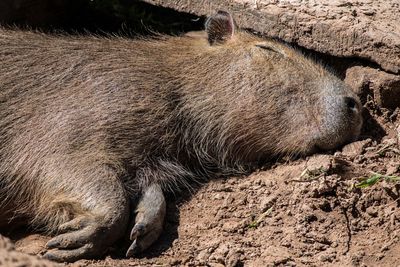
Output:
x=70 y=240
x=74 y=225
x=142 y=238
x=58 y=255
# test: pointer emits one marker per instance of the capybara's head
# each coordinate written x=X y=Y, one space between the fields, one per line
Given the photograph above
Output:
x=259 y=97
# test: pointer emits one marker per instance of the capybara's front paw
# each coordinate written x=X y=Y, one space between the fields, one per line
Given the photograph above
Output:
x=82 y=237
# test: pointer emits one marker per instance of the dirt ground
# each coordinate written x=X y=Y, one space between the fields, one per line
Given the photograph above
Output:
x=336 y=209
x=315 y=211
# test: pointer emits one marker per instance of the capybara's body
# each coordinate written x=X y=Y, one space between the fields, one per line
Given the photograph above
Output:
x=89 y=123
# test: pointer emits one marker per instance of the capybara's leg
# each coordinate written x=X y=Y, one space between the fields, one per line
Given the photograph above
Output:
x=100 y=220
x=150 y=213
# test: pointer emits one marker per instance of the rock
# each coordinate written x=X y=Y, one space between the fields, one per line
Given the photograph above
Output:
x=392 y=168
x=233 y=258
x=234 y=225
x=385 y=87
x=219 y=254
x=11 y=258
x=267 y=202
x=5 y=244
x=336 y=27
x=372 y=211
x=203 y=256
x=32 y=244
x=318 y=164
x=356 y=148
x=327 y=257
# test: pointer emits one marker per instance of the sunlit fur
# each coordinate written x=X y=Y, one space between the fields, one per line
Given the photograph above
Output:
x=82 y=115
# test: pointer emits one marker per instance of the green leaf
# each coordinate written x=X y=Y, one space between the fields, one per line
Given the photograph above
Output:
x=369 y=181
x=253 y=225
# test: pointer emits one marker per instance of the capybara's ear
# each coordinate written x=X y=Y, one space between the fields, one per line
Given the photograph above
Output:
x=220 y=27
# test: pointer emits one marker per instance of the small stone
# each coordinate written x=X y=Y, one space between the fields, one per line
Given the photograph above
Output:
x=319 y=162
x=6 y=243
x=356 y=148
x=218 y=196
x=32 y=244
x=392 y=168
x=220 y=253
x=232 y=226
x=372 y=211
x=233 y=258
x=203 y=256
x=328 y=257
x=268 y=202
x=369 y=12
x=283 y=260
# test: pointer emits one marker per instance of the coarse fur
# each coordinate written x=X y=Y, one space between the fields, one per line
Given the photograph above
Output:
x=87 y=120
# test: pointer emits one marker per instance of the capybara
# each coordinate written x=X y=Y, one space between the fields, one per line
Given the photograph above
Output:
x=93 y=129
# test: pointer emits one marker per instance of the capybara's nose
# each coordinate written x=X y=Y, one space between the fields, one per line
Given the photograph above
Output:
x=352 y=104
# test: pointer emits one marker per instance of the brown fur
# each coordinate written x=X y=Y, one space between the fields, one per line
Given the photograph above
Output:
x=80 y=115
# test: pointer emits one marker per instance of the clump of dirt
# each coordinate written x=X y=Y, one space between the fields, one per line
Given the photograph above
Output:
x=11 y=258
x=338 y=209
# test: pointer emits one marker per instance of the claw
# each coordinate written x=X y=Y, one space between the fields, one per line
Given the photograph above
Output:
x=52 y=244
x=138 y=230
x=133 y=249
